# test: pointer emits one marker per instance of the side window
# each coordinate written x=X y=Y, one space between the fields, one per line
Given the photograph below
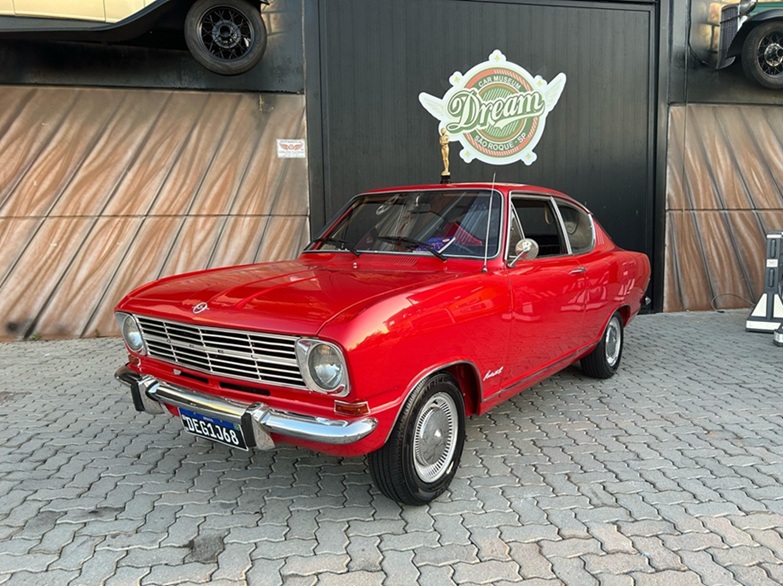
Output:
x=578 y=227
x=540 y=222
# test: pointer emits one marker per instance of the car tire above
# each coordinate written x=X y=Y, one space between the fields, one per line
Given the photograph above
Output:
x=762 y=54
x=422 y=454
x=604 y=360
x=227 y=37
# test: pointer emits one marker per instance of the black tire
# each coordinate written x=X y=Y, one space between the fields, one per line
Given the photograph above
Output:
x=604 y=360
x=762 y=54
x=422 y=454
x=227 y=37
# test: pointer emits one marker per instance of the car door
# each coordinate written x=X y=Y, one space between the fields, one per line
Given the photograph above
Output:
x=548 y=291
x=598 y=268
x=68 y=9
x=117 y=10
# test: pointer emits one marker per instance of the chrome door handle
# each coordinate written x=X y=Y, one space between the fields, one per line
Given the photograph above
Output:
x=578 y=271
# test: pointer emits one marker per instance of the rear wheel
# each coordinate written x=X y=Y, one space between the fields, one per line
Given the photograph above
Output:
x=421 y=456
x=604 y=360
x=762 y=54
x=226 y=36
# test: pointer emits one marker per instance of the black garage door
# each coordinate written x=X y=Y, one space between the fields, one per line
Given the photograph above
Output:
x=376 y=56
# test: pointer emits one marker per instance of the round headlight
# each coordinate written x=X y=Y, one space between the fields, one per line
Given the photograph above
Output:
x=326 y=366
x=132 y=334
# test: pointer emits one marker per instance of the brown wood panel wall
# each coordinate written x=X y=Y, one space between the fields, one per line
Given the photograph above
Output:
x=102 y=190
x=724 y=193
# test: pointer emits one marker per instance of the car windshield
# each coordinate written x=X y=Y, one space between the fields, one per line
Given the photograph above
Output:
x=446 y=223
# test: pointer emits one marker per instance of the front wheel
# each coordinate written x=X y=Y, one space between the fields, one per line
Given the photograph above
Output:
x=604 y=360
x=762 y=54
x=227 y=37
x=421 y=456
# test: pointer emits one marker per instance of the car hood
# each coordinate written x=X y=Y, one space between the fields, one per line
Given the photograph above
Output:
x=293 y=297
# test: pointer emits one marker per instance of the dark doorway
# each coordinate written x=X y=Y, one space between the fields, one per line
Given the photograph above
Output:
x=376 y=56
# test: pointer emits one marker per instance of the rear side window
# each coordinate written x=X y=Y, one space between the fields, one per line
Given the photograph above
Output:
x=578 y=226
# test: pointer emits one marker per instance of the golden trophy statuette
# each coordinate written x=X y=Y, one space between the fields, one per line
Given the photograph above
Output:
x=445 y=176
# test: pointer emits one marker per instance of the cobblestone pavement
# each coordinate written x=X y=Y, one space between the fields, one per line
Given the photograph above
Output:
x=671 y=473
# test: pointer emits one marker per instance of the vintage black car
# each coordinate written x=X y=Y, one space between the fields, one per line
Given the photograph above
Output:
x=227 y=37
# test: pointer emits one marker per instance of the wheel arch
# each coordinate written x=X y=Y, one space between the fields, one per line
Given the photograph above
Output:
x=465 y=375
x=747 y=27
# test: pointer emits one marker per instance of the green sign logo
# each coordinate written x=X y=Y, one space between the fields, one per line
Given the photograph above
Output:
x=497 y=110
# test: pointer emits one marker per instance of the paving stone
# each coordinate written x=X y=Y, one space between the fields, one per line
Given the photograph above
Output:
x=572 y=571
x=365 y=554
x=331 y=537
x=311 y=565
x=743 y=556
x=360 y=578
x=570 y=548
x=34 y=562
x=436 y=576
x=266 y=572
x=616 y=563
x=668 y=578
x=567 y=524
x=41 y=578
x=707 y=567
x=399 y=568
x=451 y=530
x=162 y=575
x=489 y=572
x=753 y=575
x=660 y=557
x=102 y=566
x=532 y=563
x=490 y=545
x=530 y=533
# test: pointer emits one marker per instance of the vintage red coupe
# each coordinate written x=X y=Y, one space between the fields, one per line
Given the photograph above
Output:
x=416 y=307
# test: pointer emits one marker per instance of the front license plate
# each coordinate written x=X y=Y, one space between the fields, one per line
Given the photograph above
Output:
x=213 y=429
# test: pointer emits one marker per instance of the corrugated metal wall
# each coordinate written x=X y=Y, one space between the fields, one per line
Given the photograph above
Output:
x=724 y=193
x=102 y=190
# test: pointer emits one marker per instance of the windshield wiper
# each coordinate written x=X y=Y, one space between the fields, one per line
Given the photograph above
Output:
x=412 y=242
x=342 y=244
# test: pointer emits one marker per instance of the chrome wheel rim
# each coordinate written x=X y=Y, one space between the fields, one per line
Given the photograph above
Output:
x=613 y=341
x=435 y=438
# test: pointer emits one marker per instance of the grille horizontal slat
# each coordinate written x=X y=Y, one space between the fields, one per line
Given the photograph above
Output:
x=253 y=356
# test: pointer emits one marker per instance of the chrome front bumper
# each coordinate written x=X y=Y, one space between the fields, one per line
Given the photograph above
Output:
x=257 y=419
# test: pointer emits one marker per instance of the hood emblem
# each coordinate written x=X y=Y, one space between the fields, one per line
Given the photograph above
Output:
x=200 y=307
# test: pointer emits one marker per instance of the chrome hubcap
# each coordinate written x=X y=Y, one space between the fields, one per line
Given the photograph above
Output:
x=770 y=54
x=773 y=55
x=435 y=438
x=613 y=341
x=226 y=33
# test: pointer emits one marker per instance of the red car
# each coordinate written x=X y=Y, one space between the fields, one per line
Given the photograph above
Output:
x=417 y=307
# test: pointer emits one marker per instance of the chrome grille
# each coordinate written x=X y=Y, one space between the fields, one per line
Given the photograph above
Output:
x=239 y=354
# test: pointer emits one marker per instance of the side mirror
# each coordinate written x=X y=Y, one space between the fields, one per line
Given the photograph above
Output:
x=526 y=249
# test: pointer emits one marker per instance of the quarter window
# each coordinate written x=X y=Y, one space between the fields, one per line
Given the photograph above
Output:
x=578 y=226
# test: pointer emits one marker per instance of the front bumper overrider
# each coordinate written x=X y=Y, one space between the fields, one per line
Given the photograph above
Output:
x=257 y=420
